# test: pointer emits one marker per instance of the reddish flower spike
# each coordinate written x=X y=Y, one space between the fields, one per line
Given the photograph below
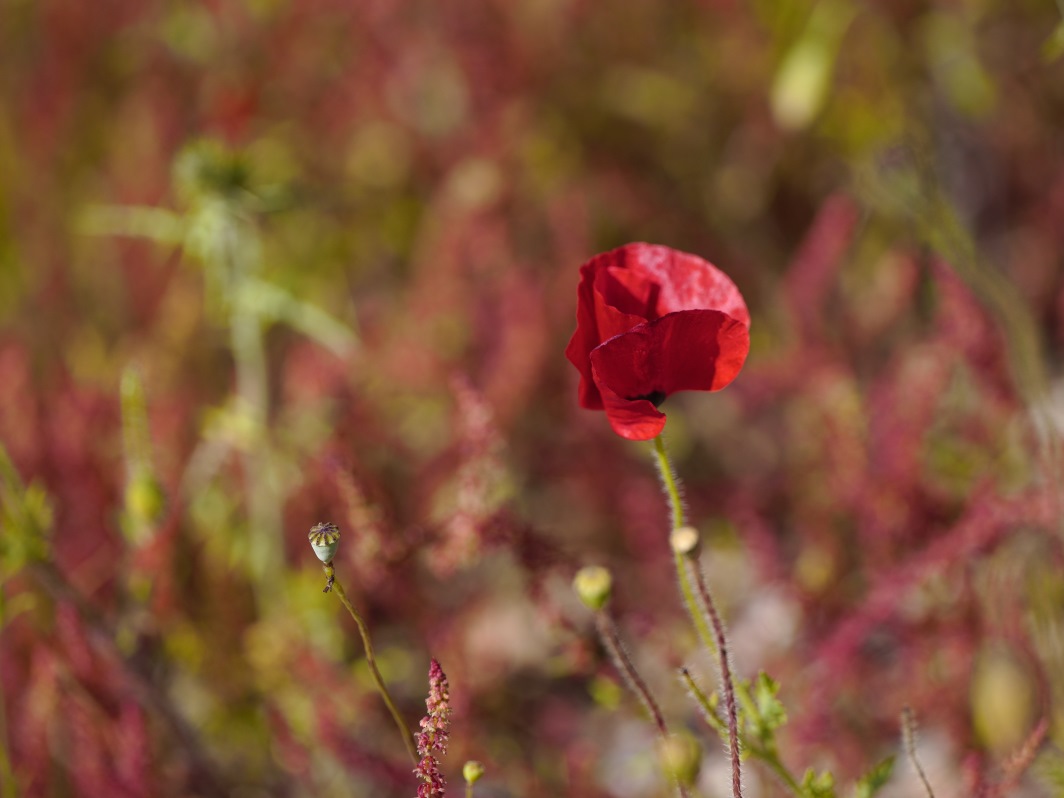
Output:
x=652 y=321
x=433 y=734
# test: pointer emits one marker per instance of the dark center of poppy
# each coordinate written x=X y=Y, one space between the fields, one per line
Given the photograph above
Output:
x=654 y=397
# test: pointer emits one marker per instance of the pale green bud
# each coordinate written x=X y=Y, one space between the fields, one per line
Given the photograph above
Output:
x=472 y=771
x=681 y=758
x=685 y=540
x=593 y=584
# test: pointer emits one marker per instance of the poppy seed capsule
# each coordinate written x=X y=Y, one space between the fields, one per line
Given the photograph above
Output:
x=325 y=540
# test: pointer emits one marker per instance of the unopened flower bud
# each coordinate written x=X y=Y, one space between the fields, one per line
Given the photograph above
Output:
x=685 y=540
x=472 y=771
x=593 y=584
x=325 y=540
x=145 y=498
x=681 y=757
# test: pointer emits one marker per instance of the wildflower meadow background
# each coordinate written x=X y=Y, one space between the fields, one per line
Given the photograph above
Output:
x=270 y=263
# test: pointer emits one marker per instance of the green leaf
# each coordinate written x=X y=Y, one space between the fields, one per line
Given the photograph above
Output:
x=1053 y=47
x=134 y=221
x=25 y=520
x=802 y=84
x=816 y=785
x=871 y=782
x=770 y=711
x=276 y=304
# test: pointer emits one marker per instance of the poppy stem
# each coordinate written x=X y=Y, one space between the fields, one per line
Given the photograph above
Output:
x=671 y=484
x=908 y=734
x=336 y=587
x=726 y=680
x=611 y=640
x=700 y=606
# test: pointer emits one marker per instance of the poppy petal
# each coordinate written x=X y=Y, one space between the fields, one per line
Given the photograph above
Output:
x=692 y=350
x=634 y=419
x=597 y=319
x=686 y=281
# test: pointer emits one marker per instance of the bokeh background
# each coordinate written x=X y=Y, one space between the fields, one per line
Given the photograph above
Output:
x=265 y=263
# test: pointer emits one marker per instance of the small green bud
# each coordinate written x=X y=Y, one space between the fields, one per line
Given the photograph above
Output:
x=593 y=584
x=472 y=771
x=145 y=498
x=325 y=540
x=685 y=540
x=681 y=757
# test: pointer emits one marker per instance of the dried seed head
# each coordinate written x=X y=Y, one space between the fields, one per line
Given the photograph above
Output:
x=325 y=540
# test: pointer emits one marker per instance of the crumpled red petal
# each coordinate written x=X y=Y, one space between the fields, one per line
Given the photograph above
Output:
x=636 y=420
x=638 y=283
x=691 y=350
x=681 y=281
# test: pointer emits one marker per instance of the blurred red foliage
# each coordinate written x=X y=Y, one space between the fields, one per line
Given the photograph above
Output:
x=878 y=488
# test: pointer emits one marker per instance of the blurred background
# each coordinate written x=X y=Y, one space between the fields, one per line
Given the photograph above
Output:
x=265 y=263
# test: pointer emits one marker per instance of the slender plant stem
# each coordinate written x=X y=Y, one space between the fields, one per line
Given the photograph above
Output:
x=769 y=757
x=8 y=786
x=612 y=641
x=725 y=676
x=337 y=588
x=672 y=492
x=908 y=733
x=687 y=571
x=672 y=483
x=772 y=761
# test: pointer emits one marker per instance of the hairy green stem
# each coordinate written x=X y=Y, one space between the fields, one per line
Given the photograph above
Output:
x=672 y=492
x=700 y=606
x=768 y=756
x=672 y=483
x=336 y=587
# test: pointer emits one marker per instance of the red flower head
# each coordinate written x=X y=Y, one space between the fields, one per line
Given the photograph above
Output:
x=652 y=321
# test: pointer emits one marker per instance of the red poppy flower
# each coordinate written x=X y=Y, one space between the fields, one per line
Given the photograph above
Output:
x=652 y=321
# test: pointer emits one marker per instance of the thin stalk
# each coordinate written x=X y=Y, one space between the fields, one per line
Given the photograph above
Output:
x=237 y=258
x=672 y=483
x=725 y=675
x=767 y=756
x=908 y=733
x=612 y=641
x=8 y=786
x=716 y=642
x=336 y=587
x=672 y=493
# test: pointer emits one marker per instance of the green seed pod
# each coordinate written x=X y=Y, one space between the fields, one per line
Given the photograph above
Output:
x=593 y=584
x=325 y=540
x=472 y=771
x=681 y=757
